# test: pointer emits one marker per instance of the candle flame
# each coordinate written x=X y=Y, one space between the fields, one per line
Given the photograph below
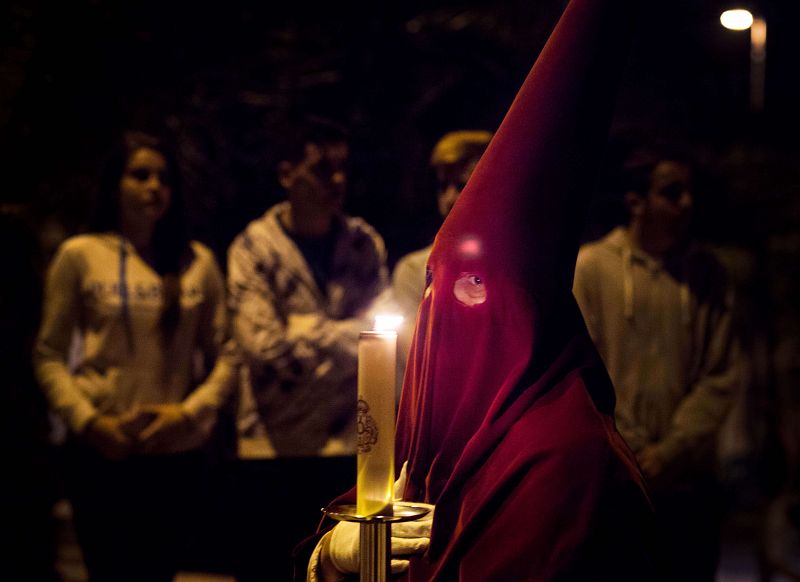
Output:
x=387 y=322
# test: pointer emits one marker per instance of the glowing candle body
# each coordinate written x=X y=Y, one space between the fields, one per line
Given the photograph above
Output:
x=377 y=362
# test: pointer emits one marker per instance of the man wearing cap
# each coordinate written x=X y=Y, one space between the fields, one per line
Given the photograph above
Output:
x=453 y=160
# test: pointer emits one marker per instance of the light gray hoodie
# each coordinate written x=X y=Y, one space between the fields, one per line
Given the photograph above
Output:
x=663 y=330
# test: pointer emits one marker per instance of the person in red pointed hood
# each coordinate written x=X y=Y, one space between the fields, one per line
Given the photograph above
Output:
x=506 y=415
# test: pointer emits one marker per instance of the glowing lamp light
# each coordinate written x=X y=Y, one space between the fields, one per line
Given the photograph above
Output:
x=741 y=19
x=738 y=19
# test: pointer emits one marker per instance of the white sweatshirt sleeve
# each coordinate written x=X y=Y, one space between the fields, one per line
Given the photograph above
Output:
x=60 y=319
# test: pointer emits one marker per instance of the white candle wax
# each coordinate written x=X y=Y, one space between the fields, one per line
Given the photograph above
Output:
x=377 y=362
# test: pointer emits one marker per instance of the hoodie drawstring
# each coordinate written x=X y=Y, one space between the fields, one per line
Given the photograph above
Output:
x=627 y=282
x=123 y=294
x=627 y=288
x=684 y=291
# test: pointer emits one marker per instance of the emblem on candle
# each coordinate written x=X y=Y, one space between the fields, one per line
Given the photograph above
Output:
x=377 y=362
x=367 y=429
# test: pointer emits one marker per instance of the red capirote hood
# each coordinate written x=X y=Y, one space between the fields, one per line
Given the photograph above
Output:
x=476 y=368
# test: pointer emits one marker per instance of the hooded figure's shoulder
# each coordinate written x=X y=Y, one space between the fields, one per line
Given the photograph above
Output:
x=567 y=418
x=550 y=481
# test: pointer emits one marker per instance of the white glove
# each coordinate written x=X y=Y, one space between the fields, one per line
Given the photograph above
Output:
x=408 y=538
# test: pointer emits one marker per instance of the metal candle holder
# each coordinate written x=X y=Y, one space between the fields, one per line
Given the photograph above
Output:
x=375 y=539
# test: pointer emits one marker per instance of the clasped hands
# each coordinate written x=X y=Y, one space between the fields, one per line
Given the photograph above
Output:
x=340 y=546
x=149 y=429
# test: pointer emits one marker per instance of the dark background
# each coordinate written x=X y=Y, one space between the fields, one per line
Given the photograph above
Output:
x=221 y=76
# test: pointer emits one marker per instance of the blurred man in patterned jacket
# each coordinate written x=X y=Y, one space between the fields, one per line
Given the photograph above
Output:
x=302 y=279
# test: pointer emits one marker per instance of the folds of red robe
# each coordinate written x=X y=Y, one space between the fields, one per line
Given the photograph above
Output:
x=506 y=417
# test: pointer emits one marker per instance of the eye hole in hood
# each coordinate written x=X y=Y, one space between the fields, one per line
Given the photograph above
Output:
x=470 y=289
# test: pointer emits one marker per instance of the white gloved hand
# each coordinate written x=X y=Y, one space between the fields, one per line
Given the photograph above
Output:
x=408 y=538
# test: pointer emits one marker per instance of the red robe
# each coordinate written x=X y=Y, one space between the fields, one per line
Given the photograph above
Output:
x=506 y=417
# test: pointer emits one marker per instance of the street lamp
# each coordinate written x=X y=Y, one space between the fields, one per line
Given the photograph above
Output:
x=741 y=19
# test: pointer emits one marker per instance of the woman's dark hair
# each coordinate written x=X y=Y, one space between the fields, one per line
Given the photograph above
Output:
x=170 y=239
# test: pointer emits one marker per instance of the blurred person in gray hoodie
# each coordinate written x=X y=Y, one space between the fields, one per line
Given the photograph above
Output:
x=659 y=311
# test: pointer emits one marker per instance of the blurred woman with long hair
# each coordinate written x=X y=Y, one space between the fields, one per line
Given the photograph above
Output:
x=133 y=319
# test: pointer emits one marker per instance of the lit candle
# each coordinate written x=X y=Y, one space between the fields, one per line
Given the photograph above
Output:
x=377 y=363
